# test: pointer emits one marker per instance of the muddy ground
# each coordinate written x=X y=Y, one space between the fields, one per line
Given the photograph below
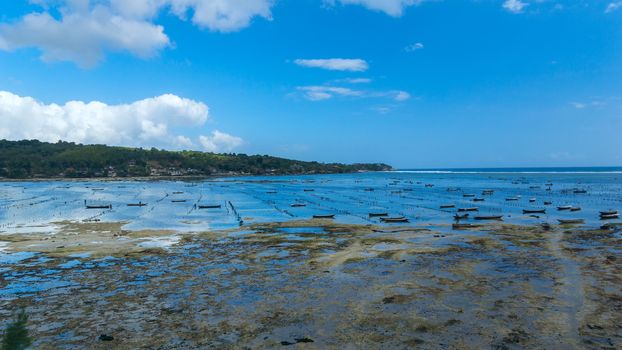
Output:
x=318 y=285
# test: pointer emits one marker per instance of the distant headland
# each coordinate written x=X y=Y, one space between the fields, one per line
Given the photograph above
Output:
x=33 y=159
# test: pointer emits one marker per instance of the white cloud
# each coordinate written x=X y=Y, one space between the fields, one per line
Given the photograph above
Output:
x=83 y=37
x=612 y=6
x=319 y=93
x=393 y=8
x=322 y=92
x=86 y=29
x=514 y=6
x=157 y=121
x=414 y=47
x=354 y=80
x=220 y=142
x=401 y=96
x=340 y=64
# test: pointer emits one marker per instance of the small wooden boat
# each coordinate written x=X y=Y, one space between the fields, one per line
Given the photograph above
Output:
x=478 y=199
x=139 y=204
x=461 y=217
x=108 y=206
x=369 y=189
x=372 y=215
x=579 y=191
x=308 y=190
x=394 y=219
x=534 y=211
x=609 y=216
x=447 y=206
x=179 y=200
x=565 y=207
x=575 y=209
x=468 y=209
x=297 y=205
x=608 y=212
x=178 y=192
x=489 y=217
x=511 y=199
x=488 y=192
x=210 y=206
x=570 y=221
x=271 y=192
x=548 y=203
x=429 y=185
x=468 y=195
x=531 y=200
x=327 y=216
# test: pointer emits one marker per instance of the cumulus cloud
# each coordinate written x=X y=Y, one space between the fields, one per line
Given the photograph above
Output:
x=83 y=37
x=612 y=6
x=86 y=29
x=156 y=121
x=220 y=142
x=413 y=47
x=393 y=8
x=514 y=6
x=340 y=64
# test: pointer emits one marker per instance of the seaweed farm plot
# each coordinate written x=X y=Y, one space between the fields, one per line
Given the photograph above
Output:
x=373 y=260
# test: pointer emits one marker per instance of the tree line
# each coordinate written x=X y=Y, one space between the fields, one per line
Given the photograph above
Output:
x=35 y=159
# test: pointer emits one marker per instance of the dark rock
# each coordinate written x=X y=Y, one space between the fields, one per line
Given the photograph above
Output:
x=105 y=337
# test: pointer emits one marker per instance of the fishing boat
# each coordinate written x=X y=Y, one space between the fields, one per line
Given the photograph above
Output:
x=565 y=207
x=488 y=217
x=107 y=206
x=534 y=211
x=271 y=192
x=488 y=192
x=179 y=200
x=468 y=195
x=461 y=217
x=579 y=191
x=570 y=221
x=327 y=216
x=429 y=185
x=369 y=190
x=511 y=199
x=372 y=215
x=178 y=192
x=468 y=209
x=394 y=219
x=139 y=204
x=210 y=206
x=447 y=206
x=478 y=199
x=608 y=212
x=575 y=208
x=308 y=190
x=548 y=203
x=297 y=205
x=531 y=200
x=609 y=216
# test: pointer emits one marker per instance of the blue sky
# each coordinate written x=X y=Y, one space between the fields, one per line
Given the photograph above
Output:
x=418 y=84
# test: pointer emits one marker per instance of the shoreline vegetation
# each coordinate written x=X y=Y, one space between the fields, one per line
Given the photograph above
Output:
x=36 y=160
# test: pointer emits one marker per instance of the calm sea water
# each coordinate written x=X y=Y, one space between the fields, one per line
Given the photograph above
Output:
x=36 y=206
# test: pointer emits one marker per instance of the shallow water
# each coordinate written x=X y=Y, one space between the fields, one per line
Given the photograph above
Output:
x=342 y=284
x=35 y=206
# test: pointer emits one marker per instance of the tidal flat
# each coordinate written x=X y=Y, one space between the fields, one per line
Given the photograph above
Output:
x=261 y=274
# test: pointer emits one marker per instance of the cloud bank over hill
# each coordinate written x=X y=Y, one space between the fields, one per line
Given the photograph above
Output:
x=158 y=121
